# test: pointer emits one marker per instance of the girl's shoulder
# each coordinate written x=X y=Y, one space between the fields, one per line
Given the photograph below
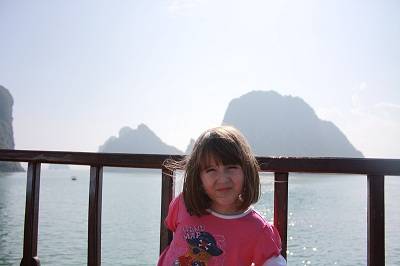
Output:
x=174 y=212
x=177 y=199
x=258 y=218
x=177 y=202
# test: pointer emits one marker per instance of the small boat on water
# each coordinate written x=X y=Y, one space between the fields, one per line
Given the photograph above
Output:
x=73 y=178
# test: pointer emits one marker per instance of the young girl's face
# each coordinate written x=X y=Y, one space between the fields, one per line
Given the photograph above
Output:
x=223 y=185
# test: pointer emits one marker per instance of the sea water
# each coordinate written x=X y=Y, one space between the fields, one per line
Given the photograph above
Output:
x=326 y=219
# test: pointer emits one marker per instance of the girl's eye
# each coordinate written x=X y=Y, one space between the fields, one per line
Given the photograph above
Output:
x=233 y=167
x=210 y=170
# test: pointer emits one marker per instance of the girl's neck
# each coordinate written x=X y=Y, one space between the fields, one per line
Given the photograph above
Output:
x=227 y=210
x=236 y=215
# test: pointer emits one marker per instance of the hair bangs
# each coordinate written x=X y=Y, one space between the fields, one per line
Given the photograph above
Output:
x=219 y=150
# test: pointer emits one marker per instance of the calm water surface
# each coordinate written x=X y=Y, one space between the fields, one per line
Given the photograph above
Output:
x=327 y=218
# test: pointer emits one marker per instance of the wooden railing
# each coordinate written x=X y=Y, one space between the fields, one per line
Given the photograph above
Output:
x=374 y=169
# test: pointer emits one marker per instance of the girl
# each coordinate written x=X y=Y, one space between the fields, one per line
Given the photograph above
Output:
x=212 y=219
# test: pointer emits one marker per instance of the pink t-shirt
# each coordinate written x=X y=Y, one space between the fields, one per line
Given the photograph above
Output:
x=217 y=239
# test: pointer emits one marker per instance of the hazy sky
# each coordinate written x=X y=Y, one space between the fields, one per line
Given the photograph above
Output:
x=81 y=70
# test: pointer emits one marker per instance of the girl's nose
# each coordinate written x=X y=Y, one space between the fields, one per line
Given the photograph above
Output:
x=224 y=176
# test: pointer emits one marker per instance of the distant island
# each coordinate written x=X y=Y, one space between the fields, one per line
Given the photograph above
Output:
x=139 y=140
x=275 y=125
x=6 y=130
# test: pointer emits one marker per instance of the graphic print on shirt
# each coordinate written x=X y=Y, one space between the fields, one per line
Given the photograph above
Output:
x=202 y=247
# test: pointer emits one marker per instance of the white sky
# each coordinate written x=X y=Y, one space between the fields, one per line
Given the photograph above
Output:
x=81 y=70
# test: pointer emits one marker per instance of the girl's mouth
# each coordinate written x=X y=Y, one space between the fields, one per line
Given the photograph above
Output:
x=223 y=189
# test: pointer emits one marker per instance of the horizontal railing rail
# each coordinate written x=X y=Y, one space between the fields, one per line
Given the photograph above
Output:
x=270 y=164
x=374 y=169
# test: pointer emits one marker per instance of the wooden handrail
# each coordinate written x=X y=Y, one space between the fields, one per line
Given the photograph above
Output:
x=88 y=158
x=374 y=169
x=363 y=166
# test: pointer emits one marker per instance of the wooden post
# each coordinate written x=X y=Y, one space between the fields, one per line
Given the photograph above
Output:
x=281 y=207
x=94 y=221
x=30 y=257
x=167 y=194
x=376 y=220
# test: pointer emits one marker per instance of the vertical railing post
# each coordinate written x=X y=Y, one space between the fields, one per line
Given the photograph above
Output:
x=30 y=257
x=281 y=207
x=167 y=194
x=376 y=220
x=94 y=221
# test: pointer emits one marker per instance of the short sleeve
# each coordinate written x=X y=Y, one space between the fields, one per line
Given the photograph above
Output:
x=268 y=244
x=275 y=261
x=173 y=211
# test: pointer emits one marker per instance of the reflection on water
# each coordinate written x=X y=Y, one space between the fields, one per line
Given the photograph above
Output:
x=326 y=222
x=12 y=208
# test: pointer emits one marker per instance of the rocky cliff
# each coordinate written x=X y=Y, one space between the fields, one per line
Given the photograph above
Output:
x=277 y=125
x=6 y=129
x=140 y=140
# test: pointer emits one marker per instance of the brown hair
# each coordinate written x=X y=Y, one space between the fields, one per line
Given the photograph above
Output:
x=227 y=146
